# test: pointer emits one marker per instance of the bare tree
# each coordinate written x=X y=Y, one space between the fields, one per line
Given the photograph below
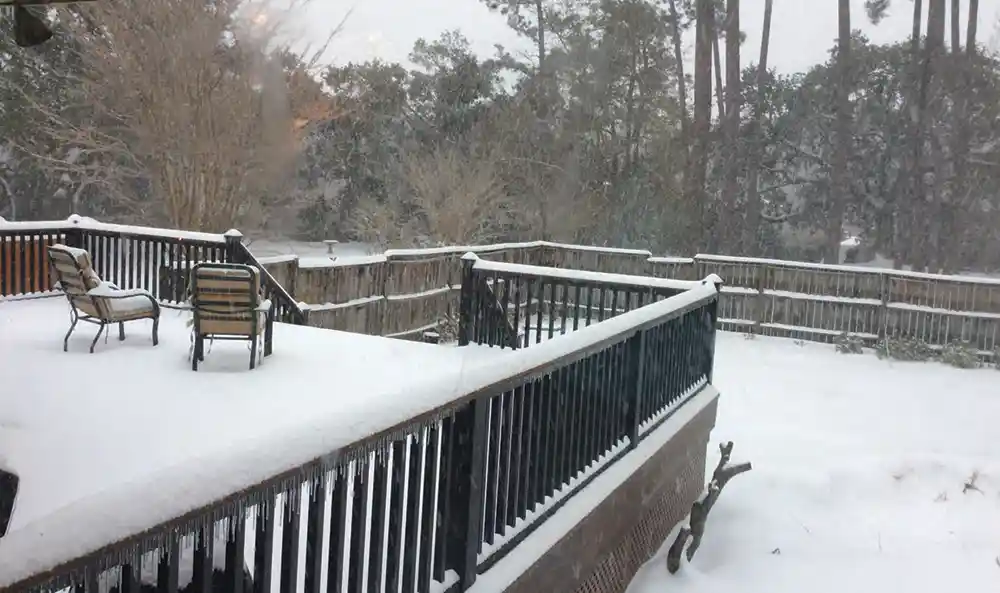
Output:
x=445 y=197
x=184 y=97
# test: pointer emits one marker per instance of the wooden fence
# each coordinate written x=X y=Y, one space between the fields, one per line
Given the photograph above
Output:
x=404 y=293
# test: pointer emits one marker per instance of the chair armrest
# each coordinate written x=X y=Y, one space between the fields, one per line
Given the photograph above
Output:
x=107 y=290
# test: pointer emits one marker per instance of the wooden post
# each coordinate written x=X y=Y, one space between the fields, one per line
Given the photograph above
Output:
x=467 y=300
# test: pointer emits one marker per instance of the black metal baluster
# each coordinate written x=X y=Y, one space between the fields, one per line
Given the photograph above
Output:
x=204 y=561
x=235 y=551
x=412 y=529
x=528 y=452
x=314 y=535
x=561 y=471
x=553 y=309
x=397 y=506
x=590 y=305
x=519 y=457
x=492 y=485
x=505 y=307
x=529 y=285
x=339 y=537
x=575 y=410
x=359 y=527
x=550 y=393
x=466 y=480
x=541 y=310
x=263 y=565
x=432 y=467
x=169 y=569
x=380 y=500
x=445 y=502
x=517 y=311
x=577 y=299
x=505 y=461
x=536 y=483
x=128 y=576
x=290 y=537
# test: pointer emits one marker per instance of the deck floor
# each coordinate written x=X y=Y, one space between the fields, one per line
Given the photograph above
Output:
x=76 y=425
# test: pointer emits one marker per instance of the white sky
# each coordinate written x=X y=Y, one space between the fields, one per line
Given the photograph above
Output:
x=802 y=30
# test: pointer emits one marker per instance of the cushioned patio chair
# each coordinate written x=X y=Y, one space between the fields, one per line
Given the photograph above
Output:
x=94 y=301
x=227 y=305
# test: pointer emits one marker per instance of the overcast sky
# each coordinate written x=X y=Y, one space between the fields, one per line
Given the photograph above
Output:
x=802 y=31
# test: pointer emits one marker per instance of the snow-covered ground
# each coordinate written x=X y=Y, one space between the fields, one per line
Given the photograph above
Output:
x=868 y=476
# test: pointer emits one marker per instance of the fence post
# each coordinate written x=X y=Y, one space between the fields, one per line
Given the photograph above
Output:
x=885 y=287
x=234 y=240
x=466 y=300
x=636 y=369
x=467 y=473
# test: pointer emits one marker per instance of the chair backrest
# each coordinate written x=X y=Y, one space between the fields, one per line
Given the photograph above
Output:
x=224 y=298
x=74 y=271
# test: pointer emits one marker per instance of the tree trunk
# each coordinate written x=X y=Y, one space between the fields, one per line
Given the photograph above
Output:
x=953 y=247
x=956 y=26
x=906 y=205
x=841 y=187
x=717 y=67
x=751 y=240
x=675 y=19
x=699 y=213
x=924 y=206
x=729 y=232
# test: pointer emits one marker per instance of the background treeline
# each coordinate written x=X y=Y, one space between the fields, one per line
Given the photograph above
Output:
x=192 y=114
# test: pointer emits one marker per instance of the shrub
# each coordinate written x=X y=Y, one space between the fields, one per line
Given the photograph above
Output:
x=848 y=344
x=960 y=355
x=905 y=349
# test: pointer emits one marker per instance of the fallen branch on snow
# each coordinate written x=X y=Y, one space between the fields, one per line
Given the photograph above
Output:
x=695 y=529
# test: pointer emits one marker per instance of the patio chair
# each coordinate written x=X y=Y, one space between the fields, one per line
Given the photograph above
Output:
x=227 y=305
x=94 y=301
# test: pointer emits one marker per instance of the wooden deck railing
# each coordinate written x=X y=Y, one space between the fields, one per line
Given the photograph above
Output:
x=430 y=503
x=156 y=260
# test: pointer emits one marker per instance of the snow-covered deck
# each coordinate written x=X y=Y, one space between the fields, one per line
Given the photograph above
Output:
x=74 y=425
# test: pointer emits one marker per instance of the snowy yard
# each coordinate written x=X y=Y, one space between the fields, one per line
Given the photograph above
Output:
x=860 y=477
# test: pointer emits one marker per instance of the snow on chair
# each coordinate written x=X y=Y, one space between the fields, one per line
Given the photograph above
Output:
x=227 y=305
x=94 y=301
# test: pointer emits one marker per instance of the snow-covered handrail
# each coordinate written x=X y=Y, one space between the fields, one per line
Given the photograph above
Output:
x=89 y=224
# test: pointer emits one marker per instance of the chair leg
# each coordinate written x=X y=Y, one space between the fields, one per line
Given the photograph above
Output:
x=253 y=352
x=72 y=326
x=100 y=330
x=156 y=331
x=121 y=331
x=196 y=354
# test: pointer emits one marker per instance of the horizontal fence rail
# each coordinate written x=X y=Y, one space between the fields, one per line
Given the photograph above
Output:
x=430 y=503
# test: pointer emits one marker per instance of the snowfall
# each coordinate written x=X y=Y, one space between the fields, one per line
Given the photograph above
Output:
x=867 y=475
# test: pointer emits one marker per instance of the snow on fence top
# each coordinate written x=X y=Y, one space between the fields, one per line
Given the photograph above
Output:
x=86 y=223
x=590 y=277
x=728 y=259
x=111 y=514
